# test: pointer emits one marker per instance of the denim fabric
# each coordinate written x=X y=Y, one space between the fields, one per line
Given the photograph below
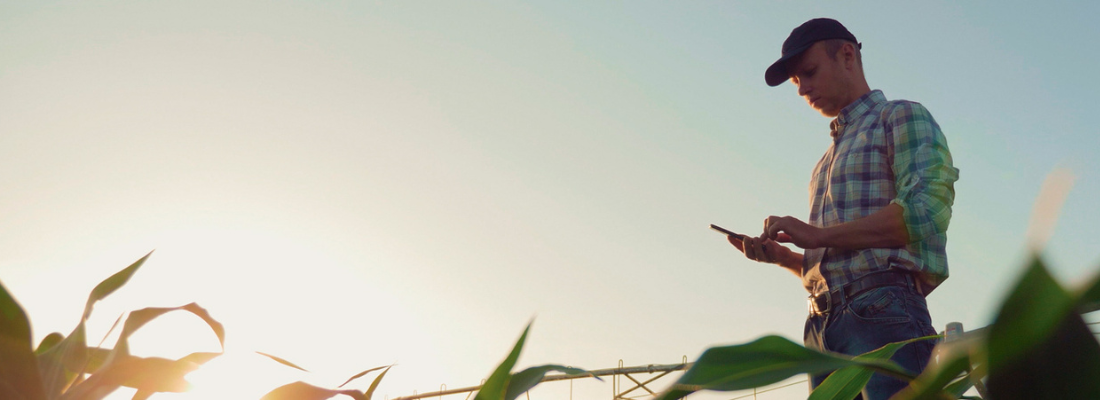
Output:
x=869 y=321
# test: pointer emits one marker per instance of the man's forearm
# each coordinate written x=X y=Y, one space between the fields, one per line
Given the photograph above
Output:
x=884 y=228
x=793 y=263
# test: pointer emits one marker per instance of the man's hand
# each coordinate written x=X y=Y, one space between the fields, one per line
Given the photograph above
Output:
x=792 y=230
x=768 y=251
x=884 y=228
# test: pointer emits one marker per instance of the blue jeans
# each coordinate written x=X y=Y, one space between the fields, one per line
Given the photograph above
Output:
x=869 y=321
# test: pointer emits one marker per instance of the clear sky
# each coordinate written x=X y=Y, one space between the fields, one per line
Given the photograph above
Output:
x=354 y=184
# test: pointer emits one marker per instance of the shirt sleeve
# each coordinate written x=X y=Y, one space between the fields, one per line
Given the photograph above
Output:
x=923 y=173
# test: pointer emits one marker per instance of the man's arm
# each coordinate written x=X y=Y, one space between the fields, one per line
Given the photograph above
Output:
x=883 y=228
x=924 y=179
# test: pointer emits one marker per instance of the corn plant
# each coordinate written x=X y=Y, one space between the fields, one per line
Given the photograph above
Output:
x=66 y=368
x=502 y=384
x=304 y=391
x=1038 y=347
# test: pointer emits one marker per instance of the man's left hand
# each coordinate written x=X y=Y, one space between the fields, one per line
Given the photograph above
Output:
x=792 y=230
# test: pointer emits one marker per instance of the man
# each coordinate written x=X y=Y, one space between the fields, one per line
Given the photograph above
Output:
x=880 y=203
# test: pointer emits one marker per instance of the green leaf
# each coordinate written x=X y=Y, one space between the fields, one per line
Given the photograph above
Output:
x=147 y=375
x=1063 y=366
x=1088 y=297
x=931 y=384
x=496 y=385
x=1033 y=309
x=283 y=361
x=156 y=375
x=951 y=360
x=62 y=364
x=19 y=376
x=305 y=391
x=767 y=360
x=96 y=358
x=111 y=284
x=847 y=382
x=530 y=377
x=357 y=376
x=959 y=386
x=139 y=318
x=49 y=342
x=374 y=385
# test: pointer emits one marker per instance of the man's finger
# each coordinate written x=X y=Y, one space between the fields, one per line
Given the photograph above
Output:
x=761 y=251
x=783 y=238
x=738 y=243
x=770 y=226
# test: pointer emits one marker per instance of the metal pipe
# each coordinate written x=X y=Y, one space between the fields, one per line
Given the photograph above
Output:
x=561 y=377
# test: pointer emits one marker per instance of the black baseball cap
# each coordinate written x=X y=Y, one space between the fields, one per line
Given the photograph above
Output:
x=801 y=38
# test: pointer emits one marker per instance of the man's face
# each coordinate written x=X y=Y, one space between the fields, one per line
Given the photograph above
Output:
x=821 y=80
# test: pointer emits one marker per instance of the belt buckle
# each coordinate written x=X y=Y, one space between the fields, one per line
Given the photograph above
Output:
x=814 y=309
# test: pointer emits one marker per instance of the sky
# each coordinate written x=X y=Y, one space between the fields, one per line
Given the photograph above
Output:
x=354 y=184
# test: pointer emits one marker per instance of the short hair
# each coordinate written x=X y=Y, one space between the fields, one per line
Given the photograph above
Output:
x=832 y=47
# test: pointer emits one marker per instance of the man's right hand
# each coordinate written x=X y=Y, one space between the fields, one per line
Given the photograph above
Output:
x=765 y=250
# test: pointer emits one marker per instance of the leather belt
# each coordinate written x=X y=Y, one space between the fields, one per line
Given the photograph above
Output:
x=825 y=302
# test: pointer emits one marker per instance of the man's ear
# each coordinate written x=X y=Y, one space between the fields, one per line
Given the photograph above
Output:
x=848 y=55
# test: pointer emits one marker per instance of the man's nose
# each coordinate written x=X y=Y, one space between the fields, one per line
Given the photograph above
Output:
x=803 y=89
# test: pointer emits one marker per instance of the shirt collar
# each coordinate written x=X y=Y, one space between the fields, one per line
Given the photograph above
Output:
x=861 y=106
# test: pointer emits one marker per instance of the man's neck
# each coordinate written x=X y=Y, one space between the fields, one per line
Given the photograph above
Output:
x=858 y=92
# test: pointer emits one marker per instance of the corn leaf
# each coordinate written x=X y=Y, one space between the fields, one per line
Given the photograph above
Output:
x=931 y=384
x=530 y=377
x=1088 y=296
x=496 y=385
x=96 y=358
x=163 y=375
x=952 y=360
x=19 y=376
x=847 y=382
x=61 y=365
x=374 y=385
x=111 y=284
x=1063 y=366
x=959 y=386
x=48 y=342
x=305 y=391
x=147 y=375
x=280 y=360
x=359 y=375
x=139 y=318
x=1034 y=308
x=764 y=361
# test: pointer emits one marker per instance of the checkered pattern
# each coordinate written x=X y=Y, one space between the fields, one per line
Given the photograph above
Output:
x=883 y=152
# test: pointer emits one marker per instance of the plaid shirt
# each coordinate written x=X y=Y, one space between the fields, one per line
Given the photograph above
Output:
x=883 y=152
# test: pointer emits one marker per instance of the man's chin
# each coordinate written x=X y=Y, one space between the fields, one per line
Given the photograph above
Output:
x=828 y=112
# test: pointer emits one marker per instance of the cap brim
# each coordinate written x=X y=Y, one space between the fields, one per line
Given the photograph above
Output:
x=777 y=73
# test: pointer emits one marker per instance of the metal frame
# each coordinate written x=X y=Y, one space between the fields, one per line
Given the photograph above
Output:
x=615 y=372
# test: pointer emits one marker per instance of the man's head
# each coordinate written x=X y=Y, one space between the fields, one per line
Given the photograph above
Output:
x=822 y=59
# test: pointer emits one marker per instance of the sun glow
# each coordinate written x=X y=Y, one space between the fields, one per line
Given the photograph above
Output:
x=273 y=294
